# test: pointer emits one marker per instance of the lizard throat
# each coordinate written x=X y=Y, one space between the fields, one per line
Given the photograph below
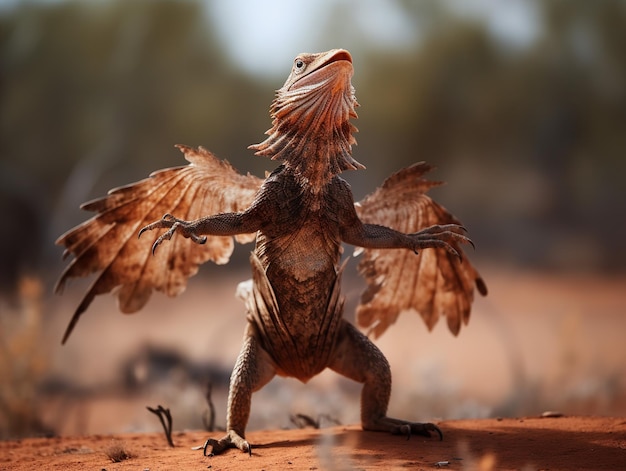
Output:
x=311 y=129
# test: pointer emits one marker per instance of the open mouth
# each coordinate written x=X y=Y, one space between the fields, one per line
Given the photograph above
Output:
x=340 y=55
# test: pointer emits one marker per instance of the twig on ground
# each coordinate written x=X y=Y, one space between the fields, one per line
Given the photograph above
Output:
x=208 y=417
x=160 y=411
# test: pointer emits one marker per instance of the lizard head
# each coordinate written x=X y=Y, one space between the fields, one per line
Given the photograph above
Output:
x=311 y=129
x=315 y=69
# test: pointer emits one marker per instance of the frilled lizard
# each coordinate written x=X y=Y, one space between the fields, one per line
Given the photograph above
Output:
x=299 y=215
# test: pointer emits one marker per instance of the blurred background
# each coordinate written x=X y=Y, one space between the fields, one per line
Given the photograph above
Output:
x=521 y=105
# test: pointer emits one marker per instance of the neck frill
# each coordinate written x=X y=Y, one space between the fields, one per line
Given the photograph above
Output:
x=311 y=131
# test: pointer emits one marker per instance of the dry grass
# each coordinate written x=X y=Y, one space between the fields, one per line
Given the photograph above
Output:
x=117 y=452
x=23 y=361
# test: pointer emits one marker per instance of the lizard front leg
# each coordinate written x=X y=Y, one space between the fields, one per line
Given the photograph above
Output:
x=253 y=370
x=374 y=236
x=357 y=358
x=225 y=224
x=185 y=228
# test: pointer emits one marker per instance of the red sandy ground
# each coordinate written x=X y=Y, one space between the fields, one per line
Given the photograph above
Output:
x=538 y=342
x=508 y=444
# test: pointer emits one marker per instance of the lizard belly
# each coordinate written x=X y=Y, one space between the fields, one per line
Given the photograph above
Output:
x=297 y=303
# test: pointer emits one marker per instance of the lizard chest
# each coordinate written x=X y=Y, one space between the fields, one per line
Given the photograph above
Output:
x=296 y=284
x=298 y=328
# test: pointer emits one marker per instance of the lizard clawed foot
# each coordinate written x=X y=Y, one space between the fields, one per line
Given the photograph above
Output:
x=231 y=440
x=441 y=236
x=418 y=428
x=185 y=228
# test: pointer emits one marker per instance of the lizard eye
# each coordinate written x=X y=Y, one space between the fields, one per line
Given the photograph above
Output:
x=299 y=66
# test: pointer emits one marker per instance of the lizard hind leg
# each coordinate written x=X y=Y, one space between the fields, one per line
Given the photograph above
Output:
x=253 y=370
x=357 y=358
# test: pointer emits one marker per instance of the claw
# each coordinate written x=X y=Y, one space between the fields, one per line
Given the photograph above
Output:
x=167 y=218
x=198 y=239
x=232 y=440
x=172 y=224
x=425 y=429
x=165 y=236
x=436 y=243
x=418 y=428
x=209 y=441
x=149 y=227
x=433 y=428
x=451 y=250
x=407 y=430
x=446 y=236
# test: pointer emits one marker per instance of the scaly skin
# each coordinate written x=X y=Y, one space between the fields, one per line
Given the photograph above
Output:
x=302 y=214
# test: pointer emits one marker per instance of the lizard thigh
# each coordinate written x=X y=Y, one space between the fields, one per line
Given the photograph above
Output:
x=357 y=358
x=253 y=370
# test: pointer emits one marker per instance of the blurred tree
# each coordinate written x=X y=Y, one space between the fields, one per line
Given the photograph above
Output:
x=95 y=94
x=534 y=134
x=90 y=91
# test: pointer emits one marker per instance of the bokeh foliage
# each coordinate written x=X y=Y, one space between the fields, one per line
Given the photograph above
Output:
x=94 y=95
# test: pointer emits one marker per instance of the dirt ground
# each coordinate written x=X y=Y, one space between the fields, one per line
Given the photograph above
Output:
x=565 y=443
x=539 y=342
